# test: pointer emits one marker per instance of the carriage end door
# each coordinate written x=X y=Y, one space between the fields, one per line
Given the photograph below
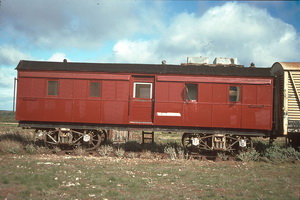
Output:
x=141 y=100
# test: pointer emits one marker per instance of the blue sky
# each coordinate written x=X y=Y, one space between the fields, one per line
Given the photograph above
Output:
x=144 y=31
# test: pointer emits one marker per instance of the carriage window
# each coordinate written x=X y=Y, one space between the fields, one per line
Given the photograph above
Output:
x=191 y=92
x=142 y=90
x=234 y=93
x=53 y=88
x=94 y=89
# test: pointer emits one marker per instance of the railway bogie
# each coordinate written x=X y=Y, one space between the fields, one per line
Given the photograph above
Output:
x=86 y=139
x=215 y=142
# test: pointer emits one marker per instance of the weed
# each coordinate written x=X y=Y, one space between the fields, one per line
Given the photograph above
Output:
x=105 y=150
x=146 y=154
x=79 y=151
x=278 y=154
x=119 y=152
x=41 y=150
x=30 y=149
x=260 y=146
x=9 y=146
x=292 y=153
x=56 y=149
x=223 y=156
x=248 y=156
x=131 y=155
x=181 y=153
x=171 y=151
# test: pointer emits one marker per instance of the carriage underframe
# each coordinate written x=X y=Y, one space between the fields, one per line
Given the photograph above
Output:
x=91 y=137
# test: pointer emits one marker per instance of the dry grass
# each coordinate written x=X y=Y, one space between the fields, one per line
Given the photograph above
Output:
x=10 y=146
x=84 y=177
x=136 y=172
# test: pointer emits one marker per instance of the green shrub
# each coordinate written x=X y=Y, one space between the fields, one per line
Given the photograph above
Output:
x=260 y=146
x=292 y=153
x=247 y=156
x=276 y=153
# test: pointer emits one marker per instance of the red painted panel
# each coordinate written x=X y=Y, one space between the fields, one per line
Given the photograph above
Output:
x=141 y=111
x=79 y=111
x=249 y=95
x=162 y=92
x=205 y=92
x=114 y=112
x=226 y=116
x=24 y=87
x=87 y=111
x=108 y=90
x=30 y=109
x=122 y=91
x=190 y=114
x=257 y=117
x=264 y=94
x=66 y=88
x=220 y=93
x=58 y=110
x=205 y=115
x=216 y=79
x=73 y=75
x=163 y=109
x=80 y=89
x=38 y=87
x=93 y=111
x=169 y=92
x=176 y=92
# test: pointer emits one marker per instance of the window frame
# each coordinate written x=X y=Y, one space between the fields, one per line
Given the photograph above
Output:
x=142 y=83
x=187 y=92
x=238 y=96
x=89 y=89
x=56 y=90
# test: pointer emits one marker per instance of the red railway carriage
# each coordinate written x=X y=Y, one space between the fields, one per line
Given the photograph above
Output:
x=218 y=106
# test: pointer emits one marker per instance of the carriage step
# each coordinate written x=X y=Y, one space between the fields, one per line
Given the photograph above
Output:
x=147 y=136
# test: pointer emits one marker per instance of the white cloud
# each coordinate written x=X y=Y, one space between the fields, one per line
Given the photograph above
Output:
x=59 y=57
x=9 y=55
x=232 y=30
x=135 y=51
x=74 y=24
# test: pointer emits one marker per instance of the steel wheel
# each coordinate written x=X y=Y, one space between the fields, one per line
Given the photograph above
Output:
x=91 y=140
